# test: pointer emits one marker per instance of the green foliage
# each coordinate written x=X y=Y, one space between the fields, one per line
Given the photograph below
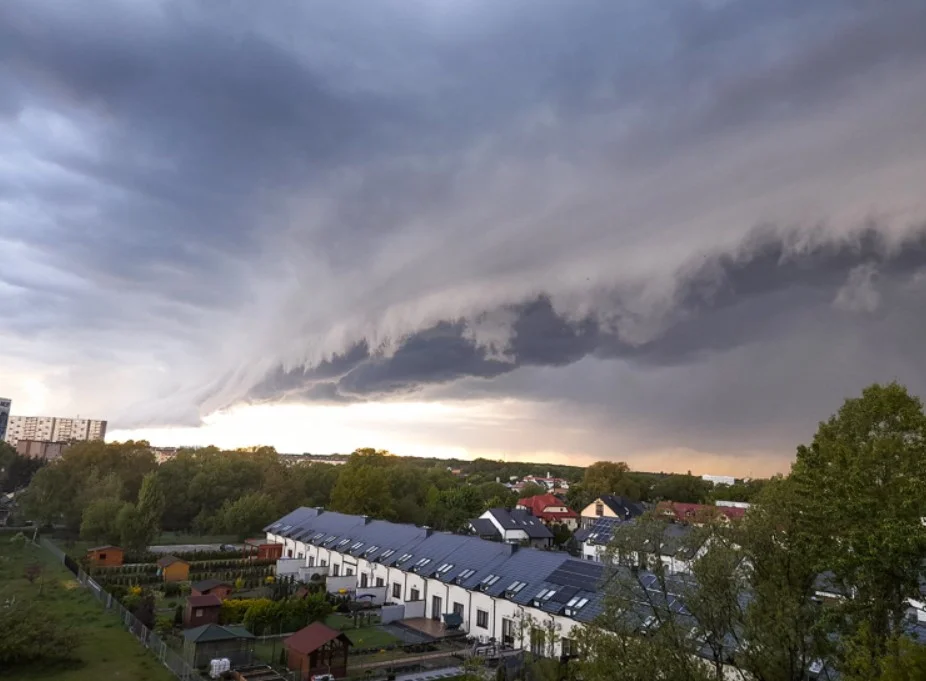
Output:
x=134 y=532
x=866 y=528
x=28 y=634
x=262 y=616
x=451 y=509
x=685 y=489
x=609 y=477
x=531 y=489
x=16 y=470
x=98 y=522
x=246 y=515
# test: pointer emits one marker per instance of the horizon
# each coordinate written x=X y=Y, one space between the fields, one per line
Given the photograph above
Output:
x=675 y=234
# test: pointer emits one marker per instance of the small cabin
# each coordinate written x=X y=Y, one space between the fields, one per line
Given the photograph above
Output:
x=317 y=649
x=173 y=569
x=201 y=610
x=105 y=556
x=212 y=587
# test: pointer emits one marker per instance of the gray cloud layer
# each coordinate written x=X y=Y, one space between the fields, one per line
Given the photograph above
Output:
x=346 y=201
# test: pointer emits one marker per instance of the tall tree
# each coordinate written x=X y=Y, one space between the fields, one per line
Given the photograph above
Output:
x=861 y=484
x=610 y=477
x=151 y=502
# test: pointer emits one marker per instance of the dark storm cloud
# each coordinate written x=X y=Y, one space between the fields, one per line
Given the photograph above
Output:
x=725 y=301
x=338 y=202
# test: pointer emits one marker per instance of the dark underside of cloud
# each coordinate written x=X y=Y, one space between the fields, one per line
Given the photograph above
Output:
x=722 y=302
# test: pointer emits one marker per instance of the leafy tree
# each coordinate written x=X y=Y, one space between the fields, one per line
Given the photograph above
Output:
x=246 y=515
x=98 y=522
x=29 y=633
x=531 y=489
x=610 y=477
x=16 y=470
x=861 y=484
x=151 y=502
x=451 y=509
x=363 y=487
x=134 y=532
x=686 y=489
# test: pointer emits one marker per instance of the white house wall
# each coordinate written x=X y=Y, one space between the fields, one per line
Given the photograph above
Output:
x=472 y=600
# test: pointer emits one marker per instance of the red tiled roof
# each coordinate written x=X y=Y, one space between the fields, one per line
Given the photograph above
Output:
x=695 y=511
x=209 y=600
x=537 y=503
x=313 y=637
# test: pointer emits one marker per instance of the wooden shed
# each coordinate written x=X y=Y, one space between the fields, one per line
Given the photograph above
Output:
x=200 y=610
x=211 y=586
x=317 y=649
x=173 y=569
x=105 y=556
x=213 y=641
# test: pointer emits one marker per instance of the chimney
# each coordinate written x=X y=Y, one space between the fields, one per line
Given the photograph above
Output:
x=366 y=519
x=427 y=531
x=513 y=548
x=319 y=510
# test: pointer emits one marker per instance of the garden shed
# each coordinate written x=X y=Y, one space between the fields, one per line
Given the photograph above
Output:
x=317 y=649
x=214 y=641
x=105 y=556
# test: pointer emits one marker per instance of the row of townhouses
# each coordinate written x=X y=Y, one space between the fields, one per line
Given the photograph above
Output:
x=518 y=596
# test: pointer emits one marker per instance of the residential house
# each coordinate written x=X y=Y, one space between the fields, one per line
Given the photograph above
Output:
x=611 y=506
x=211 y=586
x=594 y=539
x=317 y=649
x=173 y=569
x=550 y=509
x=698 y=514
x=215 y=641
x=200 y=610
x=518 y=527
x=548 y=482
x=105 y=556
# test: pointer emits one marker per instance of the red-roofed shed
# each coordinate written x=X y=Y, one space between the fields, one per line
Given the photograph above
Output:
x=317 y=649
x=550 y=509
x=201 y=610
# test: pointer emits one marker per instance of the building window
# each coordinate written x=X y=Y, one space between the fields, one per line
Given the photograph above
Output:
x=397 y=591
x=311 y=561
x=599 y=508
x=199 y=612
x=537 y=641
x=349 y=572
x=363 y=580
x=380 y=581
x=415 y=595
x=568 y=646
x=102 y=556
x=289 y=553
x=323 y=563
x=335 y=570
x=458 y=609
x=482 y=619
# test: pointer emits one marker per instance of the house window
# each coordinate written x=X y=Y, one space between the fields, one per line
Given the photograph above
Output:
x=102 y=556
x=380 y=581
x=323 y=563
x=537 y=641
x=349 y=572
x=458 y=609
x=599 y=508
x=415 y=595
x=311 y=561
x=199 y=612
x=482 y=619
x=289 y=553
x=508 y=632
x=397 y=591
x=335 y=570
x=568 y=646
x=363 y=580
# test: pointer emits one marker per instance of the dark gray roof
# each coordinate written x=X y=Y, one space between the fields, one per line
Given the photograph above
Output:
x=519 y=519
x=483 y=527
x=623 y=507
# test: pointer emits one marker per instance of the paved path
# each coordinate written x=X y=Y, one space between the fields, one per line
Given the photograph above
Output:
x=185 y=548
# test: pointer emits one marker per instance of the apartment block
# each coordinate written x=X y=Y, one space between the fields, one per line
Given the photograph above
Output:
x=5 y=404
x=53 y=429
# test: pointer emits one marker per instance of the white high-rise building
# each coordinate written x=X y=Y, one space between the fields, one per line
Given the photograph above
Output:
x=4 y=416
x=53 y=429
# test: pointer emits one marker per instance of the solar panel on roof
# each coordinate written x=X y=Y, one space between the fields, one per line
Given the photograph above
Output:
x=577 y=573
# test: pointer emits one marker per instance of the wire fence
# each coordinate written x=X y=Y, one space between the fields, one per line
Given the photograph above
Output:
x=168 y=657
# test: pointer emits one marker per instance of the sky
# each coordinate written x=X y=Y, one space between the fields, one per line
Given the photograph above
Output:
x=677 y=233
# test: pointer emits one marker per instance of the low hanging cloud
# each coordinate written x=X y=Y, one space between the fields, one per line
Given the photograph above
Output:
x=200 y=208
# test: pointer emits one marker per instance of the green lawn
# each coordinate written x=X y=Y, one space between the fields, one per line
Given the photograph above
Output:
x=362 y=637
x=187 y=538
x=106 y=650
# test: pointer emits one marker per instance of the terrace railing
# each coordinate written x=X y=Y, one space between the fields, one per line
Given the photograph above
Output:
x=149 y=639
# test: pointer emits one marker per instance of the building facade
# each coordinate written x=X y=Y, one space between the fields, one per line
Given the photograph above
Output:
x=5 y=405
x=40 y=449
x=53 y=429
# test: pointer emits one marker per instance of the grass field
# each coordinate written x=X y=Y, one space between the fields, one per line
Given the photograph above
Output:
x=362 y=637
x=106 y=650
